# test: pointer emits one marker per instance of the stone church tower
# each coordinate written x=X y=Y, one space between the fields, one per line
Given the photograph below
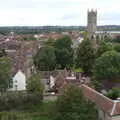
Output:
x=92 y=22
x=92 y=25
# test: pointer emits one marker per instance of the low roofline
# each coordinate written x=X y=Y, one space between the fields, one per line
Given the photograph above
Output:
x=109 y=106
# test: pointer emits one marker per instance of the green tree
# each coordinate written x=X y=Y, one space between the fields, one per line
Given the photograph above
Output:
x=3 y=53
x=107 y=38
x=85 y=56
x=116 y=39
x=103 y=47
x=45 y=59
x=50 y=42
x=64 y=52
x=117 y=47
x=34 y=84
x=72 y=105
x=113 y=94
x=107 y=66
x=5 y=73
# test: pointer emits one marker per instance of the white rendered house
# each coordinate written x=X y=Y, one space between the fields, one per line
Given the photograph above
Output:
x=52 y=82
x=19 y=82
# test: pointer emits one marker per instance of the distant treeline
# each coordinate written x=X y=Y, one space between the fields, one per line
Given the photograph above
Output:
x=39 y=29
x=47 y=29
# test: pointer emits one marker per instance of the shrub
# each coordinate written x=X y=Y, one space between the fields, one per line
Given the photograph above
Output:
x=18 y=100
x=113 y=93
x=14 y=116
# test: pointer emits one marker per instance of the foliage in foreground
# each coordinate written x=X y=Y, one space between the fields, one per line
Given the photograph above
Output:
x=72 y=105
x=39 y=112
x=14 y=116
x=21 y=116
x=10 y=101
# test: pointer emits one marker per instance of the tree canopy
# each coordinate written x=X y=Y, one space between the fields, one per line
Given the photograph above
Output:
x=45 y=59
x=5 y=73
x=64 y=52
x=72 y=105
x=103 y=47
x=85 y=56
x=107 y=66
x=117 y=47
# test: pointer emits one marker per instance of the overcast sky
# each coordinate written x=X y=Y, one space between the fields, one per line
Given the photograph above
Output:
x=57 y=12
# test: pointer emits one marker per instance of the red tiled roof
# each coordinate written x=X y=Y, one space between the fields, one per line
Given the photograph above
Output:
x=107 y=105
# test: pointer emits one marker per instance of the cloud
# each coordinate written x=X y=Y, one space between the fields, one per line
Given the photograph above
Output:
x=57 y=12
x=69 y=16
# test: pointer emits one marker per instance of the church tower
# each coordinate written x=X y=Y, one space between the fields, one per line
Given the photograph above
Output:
x=92 y=26
x=92 y=22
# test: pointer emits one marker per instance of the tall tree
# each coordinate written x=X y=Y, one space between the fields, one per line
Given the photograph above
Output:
x=85 y=56
x=64 y=52
x=107 y=66
x=45 y=59
x=71 y=105
x=103 y=47
x=5 y=73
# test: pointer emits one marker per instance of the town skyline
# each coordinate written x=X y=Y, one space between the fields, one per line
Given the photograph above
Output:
x=60 y=12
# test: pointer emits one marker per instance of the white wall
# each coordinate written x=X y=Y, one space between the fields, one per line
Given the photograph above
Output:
x=103 y=116
x=52 y=81
x=19 y=82
x=116 y=117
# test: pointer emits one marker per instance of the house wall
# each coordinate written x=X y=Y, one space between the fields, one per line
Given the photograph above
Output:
x=50 y=97
x=103 y=116
x=19 y=82
x=107 y=117
x=52 y=81
x=116 y=117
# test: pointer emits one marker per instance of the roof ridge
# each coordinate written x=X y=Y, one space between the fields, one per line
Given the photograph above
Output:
x=97 y=92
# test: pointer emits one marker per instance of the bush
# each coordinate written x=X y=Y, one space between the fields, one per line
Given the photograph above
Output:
x=117 y=48
x=72 y=105
x=113 y=94
x=14 y=116
x=18 y=100
x=97 y=85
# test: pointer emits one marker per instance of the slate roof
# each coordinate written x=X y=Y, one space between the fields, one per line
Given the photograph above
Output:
x=21 y=58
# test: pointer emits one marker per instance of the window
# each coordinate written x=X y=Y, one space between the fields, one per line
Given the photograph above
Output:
x=16 y=87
